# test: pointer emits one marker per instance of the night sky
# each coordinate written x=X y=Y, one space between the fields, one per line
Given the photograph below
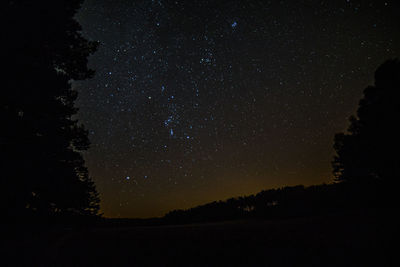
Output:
x=196 y=101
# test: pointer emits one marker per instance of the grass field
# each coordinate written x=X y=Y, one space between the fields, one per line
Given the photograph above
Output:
x=358 y=239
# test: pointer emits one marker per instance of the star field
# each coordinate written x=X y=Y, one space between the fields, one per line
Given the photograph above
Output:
x=195 y=101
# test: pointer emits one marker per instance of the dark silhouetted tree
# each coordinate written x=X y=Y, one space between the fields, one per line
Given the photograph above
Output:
x=42 y=169
x=370 y=149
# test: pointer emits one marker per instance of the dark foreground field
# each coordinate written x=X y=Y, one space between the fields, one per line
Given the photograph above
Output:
x=354 y=239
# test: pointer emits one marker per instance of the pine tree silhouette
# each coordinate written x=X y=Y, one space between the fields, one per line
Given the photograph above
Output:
x=370 y=148
x=43 y=172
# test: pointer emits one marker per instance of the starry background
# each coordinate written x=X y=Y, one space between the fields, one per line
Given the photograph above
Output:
x=196 y=101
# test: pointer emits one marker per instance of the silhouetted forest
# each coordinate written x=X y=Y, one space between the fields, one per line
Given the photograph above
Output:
x=287 y=202
x=43 y=171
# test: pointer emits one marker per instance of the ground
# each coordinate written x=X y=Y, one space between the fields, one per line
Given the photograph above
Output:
x=351 y=239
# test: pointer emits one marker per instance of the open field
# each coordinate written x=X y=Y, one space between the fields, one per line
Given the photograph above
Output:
x=337 y=240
